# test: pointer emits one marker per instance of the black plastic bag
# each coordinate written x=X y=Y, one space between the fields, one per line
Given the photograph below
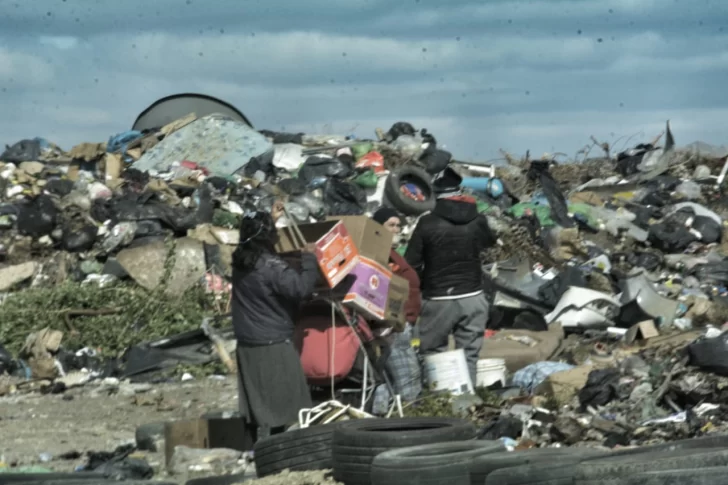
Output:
x=292 y=186
x=600 y=388
x=714 y=273
x=670 y=236
x=179 y=219
x=710 y=231
x=277 y=137
x=262 y=163
x=539 y=170
x=503 y=427
x=119 y=466
x=629 y=160
x=435 y=160
x=38 y=217
x=710 y=354
x=317 y=167
x=22 y=151
x=400 y=128
x=79 y=240
x=344 y=198
x=6 y=361
x=59 y=187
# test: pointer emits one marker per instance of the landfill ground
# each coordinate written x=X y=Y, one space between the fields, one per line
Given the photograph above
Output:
x=91 y=418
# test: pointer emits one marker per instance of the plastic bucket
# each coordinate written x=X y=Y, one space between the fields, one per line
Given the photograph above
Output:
x=448 y=371
x=490 y=371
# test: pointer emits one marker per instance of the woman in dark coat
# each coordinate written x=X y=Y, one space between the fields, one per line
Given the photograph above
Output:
x=266 y=294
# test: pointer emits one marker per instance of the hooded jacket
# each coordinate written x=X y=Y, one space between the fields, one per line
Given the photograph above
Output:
x=445 y=248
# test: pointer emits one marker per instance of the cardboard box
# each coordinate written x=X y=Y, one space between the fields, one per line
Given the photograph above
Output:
x=367 y=288
x=565 y=385
x=641 y=331
x=336 y=252
x=371 y=238
x=206 y=434
x=397 y=298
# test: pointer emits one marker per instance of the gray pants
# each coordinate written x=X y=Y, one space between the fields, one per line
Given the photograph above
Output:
x=464 y=318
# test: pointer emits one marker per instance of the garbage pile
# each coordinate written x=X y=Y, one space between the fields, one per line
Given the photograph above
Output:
x=608 y=301
x=126 y=245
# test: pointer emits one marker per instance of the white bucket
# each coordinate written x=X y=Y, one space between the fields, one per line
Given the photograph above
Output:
x=491 y=371
x=448 y=371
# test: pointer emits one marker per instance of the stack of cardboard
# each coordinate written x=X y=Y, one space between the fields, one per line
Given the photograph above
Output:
x=353 y=255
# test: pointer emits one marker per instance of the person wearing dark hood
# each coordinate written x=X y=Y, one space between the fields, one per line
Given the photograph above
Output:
x=267 y=292
x=445 y=251
x=402 y=364
x=392 y=221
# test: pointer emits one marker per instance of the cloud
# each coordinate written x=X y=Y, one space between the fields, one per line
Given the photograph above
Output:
x=480 y=76
x=24 y=68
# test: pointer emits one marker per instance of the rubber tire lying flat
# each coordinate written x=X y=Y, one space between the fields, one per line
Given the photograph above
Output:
x=483 y=466
x=704 y=476
x=218 y=480
x=401 y=202
x=107 y=481
x=55 y=477
x=297 y=450
x=356 y=443
x=624 y=466
x=439 y=463
x=710 y=441
x=537 y=473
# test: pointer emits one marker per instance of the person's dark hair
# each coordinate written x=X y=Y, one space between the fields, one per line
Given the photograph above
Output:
x=257 y=237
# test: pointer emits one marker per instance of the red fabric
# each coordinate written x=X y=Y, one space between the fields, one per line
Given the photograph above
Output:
x=401 y=268
x=316 y=340
x=463 y=198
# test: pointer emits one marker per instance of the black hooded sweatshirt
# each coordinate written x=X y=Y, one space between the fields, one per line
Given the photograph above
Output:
x=445 y=248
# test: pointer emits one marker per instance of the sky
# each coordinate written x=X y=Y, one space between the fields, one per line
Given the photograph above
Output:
x=543 y=76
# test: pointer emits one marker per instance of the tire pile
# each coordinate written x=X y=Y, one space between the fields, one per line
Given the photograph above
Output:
x=434 y=451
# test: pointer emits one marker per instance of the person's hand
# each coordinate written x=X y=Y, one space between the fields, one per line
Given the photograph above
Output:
x=309 y=248
x=277 y=210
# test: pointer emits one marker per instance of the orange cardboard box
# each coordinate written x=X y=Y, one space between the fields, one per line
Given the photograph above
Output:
x=336 y=251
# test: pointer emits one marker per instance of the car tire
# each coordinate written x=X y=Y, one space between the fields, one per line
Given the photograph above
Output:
x=357 y=443
x=404 y=204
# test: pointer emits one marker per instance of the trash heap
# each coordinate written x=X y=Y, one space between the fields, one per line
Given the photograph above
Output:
x=604 y=263
x=608 y=311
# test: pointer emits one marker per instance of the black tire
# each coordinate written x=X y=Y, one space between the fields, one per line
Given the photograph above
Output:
x=625 y=466
x=535 y=474
x=218 y=480
x=56 y=477
x=401 y=202
x=356 y=443
x=483 y=466
x=297 y=450
x=710 y=441
x=446 y=463
x=538 y=473
x=704 y=476
x=150 y=436
x=101 y=481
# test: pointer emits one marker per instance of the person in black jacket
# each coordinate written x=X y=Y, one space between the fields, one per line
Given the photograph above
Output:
x=445 y=250
x=266 y=294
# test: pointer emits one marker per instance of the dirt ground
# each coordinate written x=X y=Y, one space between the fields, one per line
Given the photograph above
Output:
x=100 y=418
